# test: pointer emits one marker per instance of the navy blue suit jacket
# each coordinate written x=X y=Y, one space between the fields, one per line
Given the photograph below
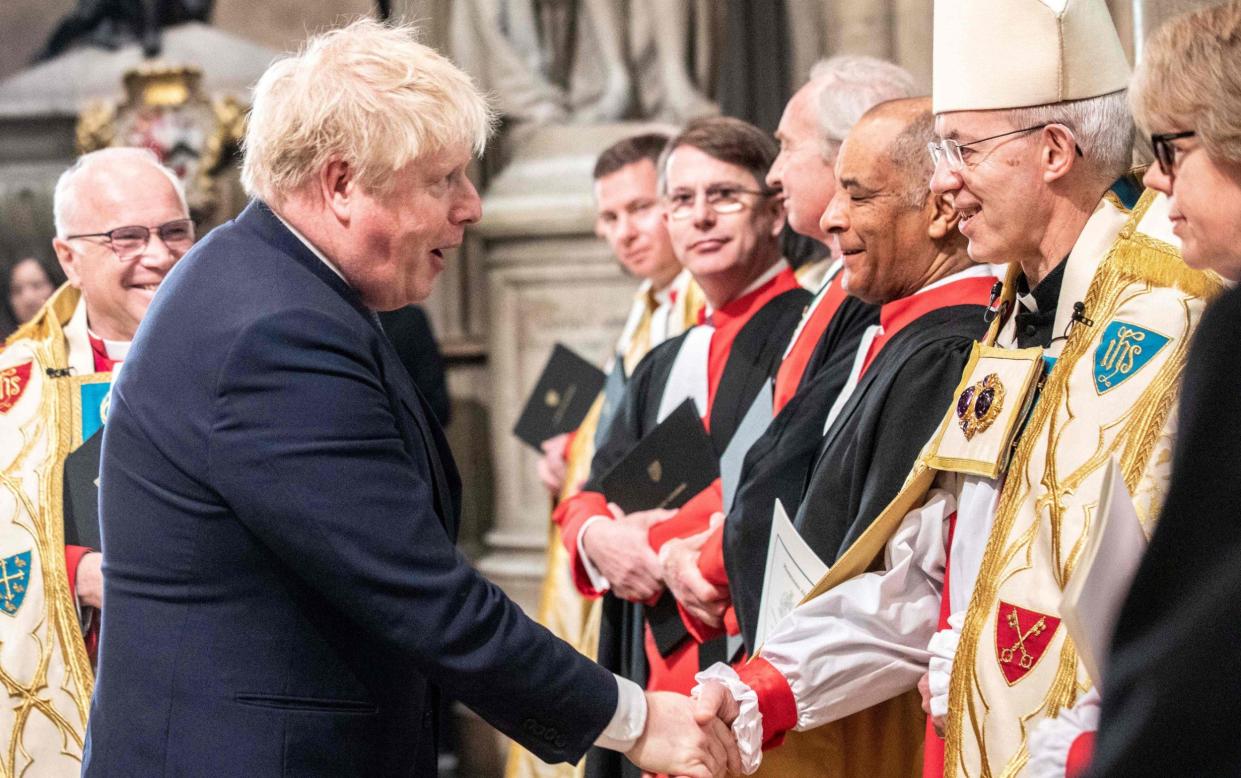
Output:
x=278 y=512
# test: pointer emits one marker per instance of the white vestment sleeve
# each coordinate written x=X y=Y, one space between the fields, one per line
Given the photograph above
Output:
x=1051 y=739
x=865 y=640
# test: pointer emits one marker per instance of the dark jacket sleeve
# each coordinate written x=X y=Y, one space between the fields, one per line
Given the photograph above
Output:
x=332 y=489
x=1170 y=703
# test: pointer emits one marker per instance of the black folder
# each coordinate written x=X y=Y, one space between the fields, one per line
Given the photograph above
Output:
x=671 y=464
x=674 y=462
x=561 y=398
x=81 y=497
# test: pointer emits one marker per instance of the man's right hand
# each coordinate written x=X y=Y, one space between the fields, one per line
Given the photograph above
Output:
x=621 y=551
x=675 y=744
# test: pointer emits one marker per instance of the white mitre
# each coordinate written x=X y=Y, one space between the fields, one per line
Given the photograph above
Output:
x=994 y=54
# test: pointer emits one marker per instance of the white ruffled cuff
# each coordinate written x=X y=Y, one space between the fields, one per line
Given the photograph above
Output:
x=1052 y=738
x=943 y=648
x=748 y=726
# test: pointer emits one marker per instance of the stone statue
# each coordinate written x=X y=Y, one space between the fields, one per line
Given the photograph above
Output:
x=111 y=24
x=585 y=61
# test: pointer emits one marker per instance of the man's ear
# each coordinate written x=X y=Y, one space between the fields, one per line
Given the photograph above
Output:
x=68 y=261
x=1058 y=153
x=339 y=189
x=944 y=217
x=776 y=208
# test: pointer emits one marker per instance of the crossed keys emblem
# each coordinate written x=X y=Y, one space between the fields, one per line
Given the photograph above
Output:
x=1027 y=659
x=1021 y=638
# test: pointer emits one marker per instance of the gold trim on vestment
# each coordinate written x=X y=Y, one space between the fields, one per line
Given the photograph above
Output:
x=54 y=430
x=1135 y=258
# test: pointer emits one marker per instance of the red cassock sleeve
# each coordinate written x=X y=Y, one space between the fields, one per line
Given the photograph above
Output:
x=570 y=515
x=1079 y=755
x=692 y=518
x=776 y=704
x=73 y=557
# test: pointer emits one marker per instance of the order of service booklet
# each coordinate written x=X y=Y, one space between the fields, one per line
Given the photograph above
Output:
x=1097 y=588
x=792 y=571
x=561 y=398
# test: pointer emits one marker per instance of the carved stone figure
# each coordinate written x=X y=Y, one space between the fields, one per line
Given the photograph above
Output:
x=111 y=24
x=588 y=61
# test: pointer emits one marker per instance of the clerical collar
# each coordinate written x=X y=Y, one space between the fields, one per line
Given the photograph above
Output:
x=895 y=314
x=1036 y=316
x=739 y=301
x=113 y=350
x=313 y=250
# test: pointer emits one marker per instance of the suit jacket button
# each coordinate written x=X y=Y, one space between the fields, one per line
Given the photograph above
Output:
x=426 y=720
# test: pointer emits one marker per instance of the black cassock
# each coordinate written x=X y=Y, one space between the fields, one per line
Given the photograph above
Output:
x=1172 y=695
x=850 y=474
x=753 y=358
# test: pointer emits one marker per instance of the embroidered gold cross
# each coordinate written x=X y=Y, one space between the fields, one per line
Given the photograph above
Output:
x=1007 y=654
x=10 y=588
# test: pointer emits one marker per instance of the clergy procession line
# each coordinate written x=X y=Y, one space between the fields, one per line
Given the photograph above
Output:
x=943 y=440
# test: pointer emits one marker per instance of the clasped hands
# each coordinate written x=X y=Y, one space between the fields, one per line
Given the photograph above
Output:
x=622 y=553
x=686 y=737
x=683 y=736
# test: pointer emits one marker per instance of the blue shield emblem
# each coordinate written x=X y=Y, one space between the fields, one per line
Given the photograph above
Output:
x=14 y=578
x=1124 y=350
x=94 y=407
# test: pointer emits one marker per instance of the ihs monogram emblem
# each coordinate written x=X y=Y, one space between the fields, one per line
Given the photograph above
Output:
x=13 y=382
x=979 y=405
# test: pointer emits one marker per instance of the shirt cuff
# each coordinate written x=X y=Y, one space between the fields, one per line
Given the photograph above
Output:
x=628 y=721
x=597 y=579
x=748 y=726
x=943 y=649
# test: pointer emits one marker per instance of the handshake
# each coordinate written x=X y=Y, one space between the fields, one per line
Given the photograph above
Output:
x=689 y=737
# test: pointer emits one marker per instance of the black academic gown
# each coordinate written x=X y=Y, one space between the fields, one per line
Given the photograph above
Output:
x=752 y=361
x=860 y=464
x=1172 y=699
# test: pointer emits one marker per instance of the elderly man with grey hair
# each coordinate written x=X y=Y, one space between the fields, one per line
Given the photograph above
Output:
x=1078 y=370
x=708 y=584
x=121 y=224
x=278 y=504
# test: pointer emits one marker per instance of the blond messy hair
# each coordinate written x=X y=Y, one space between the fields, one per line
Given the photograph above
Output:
x=368 y=94
x=1189 y=77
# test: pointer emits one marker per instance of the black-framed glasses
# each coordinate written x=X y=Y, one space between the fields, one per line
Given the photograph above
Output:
x=130 y=241
x=720 y=198
x=1165 y=152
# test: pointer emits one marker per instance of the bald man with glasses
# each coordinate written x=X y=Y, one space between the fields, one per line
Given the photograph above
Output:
x=121 y=224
